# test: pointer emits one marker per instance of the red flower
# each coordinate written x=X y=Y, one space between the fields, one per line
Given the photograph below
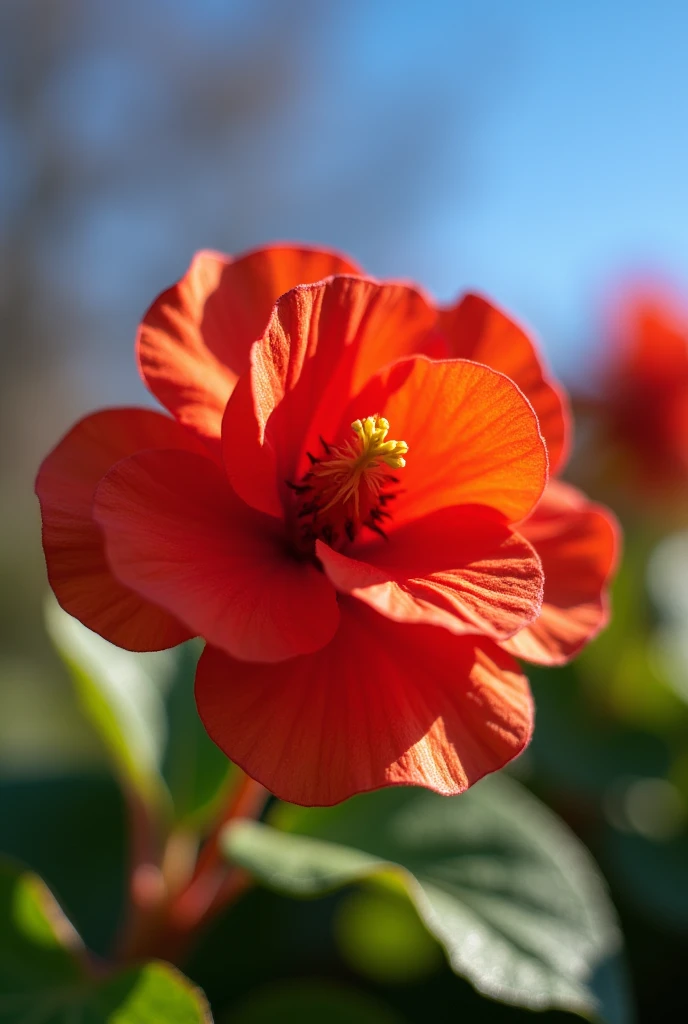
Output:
x=645 y=387
x=359 y=595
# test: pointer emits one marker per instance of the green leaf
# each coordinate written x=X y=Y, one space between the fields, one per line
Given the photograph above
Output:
x=45 y=976
x=71 y=830
x=143 y=708
x=196 y=771
x=119 y=692
x=148 y=994
x=514 y=898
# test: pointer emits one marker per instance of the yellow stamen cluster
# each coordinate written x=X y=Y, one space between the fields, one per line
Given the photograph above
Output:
x=361 y=459
x=349 y=487
x=372 y=432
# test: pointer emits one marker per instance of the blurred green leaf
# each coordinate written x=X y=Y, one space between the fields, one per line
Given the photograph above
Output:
x=311 y=1003
x=118 y=693
x=380 y=935
x=514 y=898
x=142 y=706
x=71 y=830
x=196 y=771
x=653 y=873
x=45 y=977
x=576 y=748
x=620 y=672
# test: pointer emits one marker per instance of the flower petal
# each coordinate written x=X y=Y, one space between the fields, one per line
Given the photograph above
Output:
x=321 y=345
x=460 y=568
x=381 y=705
x=195 y=339
x=644 y=408
x=475 y=329
x=473 y=438
x=578 y=543
x=73 y=544
x=177 y=534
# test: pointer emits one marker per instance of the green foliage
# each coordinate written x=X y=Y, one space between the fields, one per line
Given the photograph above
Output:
x=580 y=750
x=70 y=829
x=654 y=873
x=143 y=709
x=621 y=672
x=196 y=772
x=380 y=935
x=118 y=693
x=45 y=976
x=310 y=1003
x=513 y=897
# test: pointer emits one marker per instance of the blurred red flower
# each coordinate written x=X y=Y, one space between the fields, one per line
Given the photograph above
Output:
x=645 y=387
x=361 y=597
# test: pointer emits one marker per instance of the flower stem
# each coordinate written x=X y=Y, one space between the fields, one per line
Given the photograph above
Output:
x=172 y=925
x=146 y=884
x=205 y=893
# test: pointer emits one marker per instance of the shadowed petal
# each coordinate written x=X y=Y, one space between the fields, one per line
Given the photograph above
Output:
x=577 y=542
x=381 y=705
x=77 y=568
x=177 y=534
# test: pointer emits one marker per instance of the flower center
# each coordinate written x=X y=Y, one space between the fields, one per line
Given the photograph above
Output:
x=350 y=485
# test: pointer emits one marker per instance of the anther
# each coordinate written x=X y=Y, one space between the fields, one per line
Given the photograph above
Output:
x=348 y=486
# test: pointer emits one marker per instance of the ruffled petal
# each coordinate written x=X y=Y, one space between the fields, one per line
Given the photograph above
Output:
x=77 y=568
x=460 y=568
x=176 y=533
x=475 y=329
x=473 y=438
x=381 y=705
x=195 y=339
x=578 y=543
x=321 y=345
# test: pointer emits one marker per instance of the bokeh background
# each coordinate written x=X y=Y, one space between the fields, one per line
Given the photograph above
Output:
x=535 y=151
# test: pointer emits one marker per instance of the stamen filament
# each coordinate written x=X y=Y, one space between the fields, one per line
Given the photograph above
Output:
x=348 y=487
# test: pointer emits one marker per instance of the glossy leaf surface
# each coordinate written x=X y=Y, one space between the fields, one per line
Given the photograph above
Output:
x=513 y=897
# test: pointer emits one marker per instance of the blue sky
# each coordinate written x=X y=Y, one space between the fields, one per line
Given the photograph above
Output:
x=562 y=160
x=537 y=151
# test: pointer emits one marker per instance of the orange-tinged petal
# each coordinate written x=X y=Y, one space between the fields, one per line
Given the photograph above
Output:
x=578 y=543
x=460 y=568
x=473 y=437
x=176 y=533
x=73 y=544
x=382 y=705
x=195 y=339
x=321 y=345
x=476 y=329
